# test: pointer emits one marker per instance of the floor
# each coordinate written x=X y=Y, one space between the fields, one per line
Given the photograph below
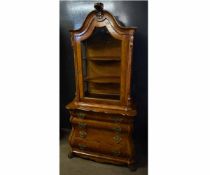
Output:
x=79 y=166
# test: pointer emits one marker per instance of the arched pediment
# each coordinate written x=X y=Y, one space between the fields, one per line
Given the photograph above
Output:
x=102 y=18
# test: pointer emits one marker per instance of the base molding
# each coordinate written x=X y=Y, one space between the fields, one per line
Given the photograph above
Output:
x=102 y=158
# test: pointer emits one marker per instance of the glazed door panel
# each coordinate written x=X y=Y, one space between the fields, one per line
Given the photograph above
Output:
x=101 y=65
x=102 y=58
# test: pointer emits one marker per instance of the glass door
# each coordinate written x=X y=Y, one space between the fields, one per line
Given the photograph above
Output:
x=101 y=65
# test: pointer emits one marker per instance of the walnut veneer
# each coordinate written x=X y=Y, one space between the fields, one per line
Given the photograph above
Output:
x=102 y=112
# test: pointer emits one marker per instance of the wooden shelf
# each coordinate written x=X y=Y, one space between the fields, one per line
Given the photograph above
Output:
x=101 y=93
x=104 y=95
x=105 y=79
x=103 y=58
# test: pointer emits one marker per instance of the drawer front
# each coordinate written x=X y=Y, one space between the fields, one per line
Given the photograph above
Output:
x=113 y=118
x=101 y=125
x=101 y=141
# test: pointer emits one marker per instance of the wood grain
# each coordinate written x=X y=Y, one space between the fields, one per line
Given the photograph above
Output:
x=102 y=112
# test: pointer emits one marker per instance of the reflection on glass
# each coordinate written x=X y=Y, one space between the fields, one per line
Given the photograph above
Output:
x=101 y=59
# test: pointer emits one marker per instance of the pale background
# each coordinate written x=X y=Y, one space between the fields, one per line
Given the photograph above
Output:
x=179 y=86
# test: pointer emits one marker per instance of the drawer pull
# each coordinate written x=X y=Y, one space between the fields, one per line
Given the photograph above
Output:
x=116 y=153
x=82 y=125
x=81 y=115
x=117 y=119
x=82 y=146
x=117 y=139
x=82 y=134
x=117 y=129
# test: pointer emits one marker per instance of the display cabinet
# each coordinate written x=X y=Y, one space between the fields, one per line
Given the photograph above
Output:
x=102 y=112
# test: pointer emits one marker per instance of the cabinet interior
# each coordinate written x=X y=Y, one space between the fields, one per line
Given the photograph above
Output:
x=101 y=60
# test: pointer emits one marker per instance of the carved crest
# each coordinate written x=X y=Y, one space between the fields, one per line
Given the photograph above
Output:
x=99 y=10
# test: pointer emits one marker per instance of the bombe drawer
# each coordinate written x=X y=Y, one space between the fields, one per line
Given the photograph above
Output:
x=113 y=118
x=113 y=140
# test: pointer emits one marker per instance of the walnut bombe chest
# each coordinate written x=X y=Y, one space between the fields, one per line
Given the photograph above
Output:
x=102 y=112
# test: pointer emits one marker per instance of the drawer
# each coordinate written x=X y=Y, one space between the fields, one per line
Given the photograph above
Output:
x=101 y=141
x=99 y=136
x=114 y=118
x=101 y=148
x=101 y=125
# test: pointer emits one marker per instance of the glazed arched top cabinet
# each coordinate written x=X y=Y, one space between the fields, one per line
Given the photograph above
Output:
x=102 y=112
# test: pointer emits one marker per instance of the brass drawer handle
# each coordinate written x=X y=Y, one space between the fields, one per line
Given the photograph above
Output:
x=116 y=153
x=82 y=125
x=117 y=129
x=117 y=139
x=82 y=146
x=82 y=134
x=117 y=119
x=81 y=115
